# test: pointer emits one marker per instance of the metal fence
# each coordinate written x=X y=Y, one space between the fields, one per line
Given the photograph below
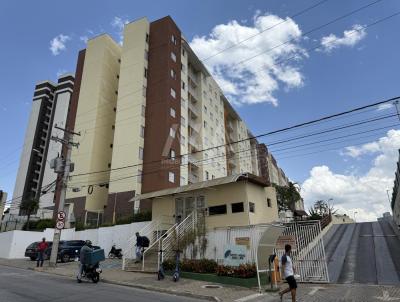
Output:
x=308 y=252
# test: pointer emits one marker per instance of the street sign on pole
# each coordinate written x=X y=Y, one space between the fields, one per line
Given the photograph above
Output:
x=61 y=215
x=60 y=225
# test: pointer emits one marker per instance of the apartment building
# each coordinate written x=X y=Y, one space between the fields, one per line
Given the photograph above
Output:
x=49 y=108
x=268 y=167
x=3 y=199
x=150 y=117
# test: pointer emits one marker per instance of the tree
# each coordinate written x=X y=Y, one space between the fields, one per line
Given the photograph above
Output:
x=29 y=207
x=287 y=196
x=320 y=209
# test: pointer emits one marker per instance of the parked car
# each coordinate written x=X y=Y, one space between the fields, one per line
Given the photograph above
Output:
x=31 y=251
x=67 y=250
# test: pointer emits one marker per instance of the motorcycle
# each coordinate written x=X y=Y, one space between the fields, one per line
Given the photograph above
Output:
x=115 y=253
x=91 y=272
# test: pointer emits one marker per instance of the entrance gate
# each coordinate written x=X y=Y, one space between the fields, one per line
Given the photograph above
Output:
x=308 y=253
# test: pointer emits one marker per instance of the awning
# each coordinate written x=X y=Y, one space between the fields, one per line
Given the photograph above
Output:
x=201 y=185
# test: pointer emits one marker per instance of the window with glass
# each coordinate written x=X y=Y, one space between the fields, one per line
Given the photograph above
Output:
x=217 y=210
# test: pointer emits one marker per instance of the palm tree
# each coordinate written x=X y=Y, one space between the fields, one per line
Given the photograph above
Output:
x=29 y=207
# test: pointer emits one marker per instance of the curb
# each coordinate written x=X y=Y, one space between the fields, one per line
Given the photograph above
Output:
x=163 y=290
x=127 y=284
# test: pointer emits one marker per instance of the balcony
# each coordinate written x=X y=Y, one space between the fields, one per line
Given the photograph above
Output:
x=193 y=141
x=193 y=178
x=193 y=162
x=193 y=96
x=194 y=111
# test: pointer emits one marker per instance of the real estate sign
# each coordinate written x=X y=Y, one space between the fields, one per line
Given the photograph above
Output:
x=234 y=255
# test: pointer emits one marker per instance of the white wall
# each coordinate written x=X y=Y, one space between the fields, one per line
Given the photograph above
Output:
x=14 y=243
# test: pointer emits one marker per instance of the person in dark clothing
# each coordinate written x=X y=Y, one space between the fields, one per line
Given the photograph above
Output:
x=139 y=247
x=42 y=247
x=87 y=248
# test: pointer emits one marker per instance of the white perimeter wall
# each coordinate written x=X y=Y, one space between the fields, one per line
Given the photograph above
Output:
x=14 y=243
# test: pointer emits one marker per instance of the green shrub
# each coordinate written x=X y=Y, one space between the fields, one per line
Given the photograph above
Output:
x=242 y=271
x=44 y=224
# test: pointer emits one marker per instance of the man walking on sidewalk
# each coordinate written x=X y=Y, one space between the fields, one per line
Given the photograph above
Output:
x=288 y=273
x=139 y=247
x=42 y=247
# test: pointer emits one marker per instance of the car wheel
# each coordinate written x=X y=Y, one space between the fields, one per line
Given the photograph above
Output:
x=65 y=258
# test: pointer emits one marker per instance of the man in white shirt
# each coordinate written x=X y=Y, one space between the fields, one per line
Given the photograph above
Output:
x=288 y=273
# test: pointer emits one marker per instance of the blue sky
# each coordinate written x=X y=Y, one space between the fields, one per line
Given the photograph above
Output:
x=350 y=75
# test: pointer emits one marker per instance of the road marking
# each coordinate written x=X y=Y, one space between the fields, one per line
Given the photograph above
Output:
x=248 y=298
x=386 y=297
x=314 y=290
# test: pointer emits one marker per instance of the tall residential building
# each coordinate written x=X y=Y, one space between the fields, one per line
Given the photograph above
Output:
x=145 y=109
x=268 y=167
x=49 y=108
x=3 y=199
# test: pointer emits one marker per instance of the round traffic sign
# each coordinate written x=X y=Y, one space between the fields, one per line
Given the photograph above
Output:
x=60 y=225
x=61 y=215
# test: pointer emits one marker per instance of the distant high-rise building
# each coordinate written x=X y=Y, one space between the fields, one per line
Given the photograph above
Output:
x=49 y=108
x=395 y=203
x=3 y=199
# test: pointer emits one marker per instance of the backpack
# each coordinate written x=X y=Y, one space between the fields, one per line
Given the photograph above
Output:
x=145 y=241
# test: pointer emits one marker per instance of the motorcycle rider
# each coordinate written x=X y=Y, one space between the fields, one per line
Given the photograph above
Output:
x=87 y=248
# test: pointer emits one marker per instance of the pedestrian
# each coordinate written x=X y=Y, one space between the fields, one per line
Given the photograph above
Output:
x=87 y=248
x=42 y=247
x=139 y=247
x=288 y=273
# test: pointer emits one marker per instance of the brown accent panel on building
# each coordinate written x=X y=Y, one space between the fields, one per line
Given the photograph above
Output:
x=120 y=203
x=157 y=141
x=262 y=153
x=70 y=124
x=79 y=209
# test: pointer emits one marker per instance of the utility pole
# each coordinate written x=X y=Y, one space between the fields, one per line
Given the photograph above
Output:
x=63 y=167
x=396 y=105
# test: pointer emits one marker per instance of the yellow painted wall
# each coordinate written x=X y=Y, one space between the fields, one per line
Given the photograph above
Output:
x=95 y=117
x=129 y=119
x=227 y=194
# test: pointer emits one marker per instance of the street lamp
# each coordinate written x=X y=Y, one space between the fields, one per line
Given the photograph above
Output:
x=355 y=212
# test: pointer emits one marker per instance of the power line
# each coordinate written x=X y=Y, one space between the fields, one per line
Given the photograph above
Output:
x=262 y=135
x=266 y=29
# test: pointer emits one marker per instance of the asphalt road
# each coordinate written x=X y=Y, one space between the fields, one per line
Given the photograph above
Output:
x=19 y=285
x=366 y=253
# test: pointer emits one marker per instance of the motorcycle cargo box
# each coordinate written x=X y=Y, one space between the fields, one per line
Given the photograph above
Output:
x=94 y=257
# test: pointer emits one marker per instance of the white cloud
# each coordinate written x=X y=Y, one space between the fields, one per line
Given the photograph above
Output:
x=57 y=44
x=368 y=148
x=350 y=38
x=60 y=72
x=84 y=39
x=255 y=80
x=119 y=23
x=365 y=194
x=385 y=106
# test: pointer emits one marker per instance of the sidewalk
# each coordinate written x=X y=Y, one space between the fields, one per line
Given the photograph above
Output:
x=112 y=273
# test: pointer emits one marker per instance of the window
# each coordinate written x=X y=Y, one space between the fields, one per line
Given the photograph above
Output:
x=147 y=38
x=173 y=56
x=111 y=145
x=183 y=181
x=205 y=109
x=116 y=92
x=213 y=176
x=146 y=55
x=183 y=68
x=182 y=140
x=173 y=40
x=269 y=204
x=117 y=76
x=173 y=93
x=115 y=109
x=173 y=74
x=172 y=112
x=141 y=153
x=143 y=110
x=113 y=127
x=171 y=177
x=139 y=176
x=237 y=207
x=172 y=132
x=207 y=176
x=183 y=121
x=183 y=52
x=145 y=72
x=205 y=124
x=142 y=131
x=109 y=165
x=217 y=210
x=252 y=207
x=183 y=85
x=144 y=91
